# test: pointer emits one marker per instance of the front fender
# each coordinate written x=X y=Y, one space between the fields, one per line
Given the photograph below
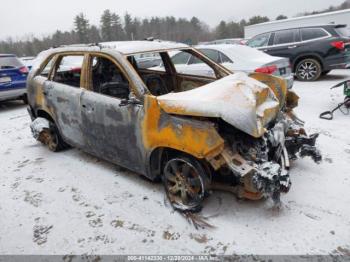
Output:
x=195 y=137
x=278 y=85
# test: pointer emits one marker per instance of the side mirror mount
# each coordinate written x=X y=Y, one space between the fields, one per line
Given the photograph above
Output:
x=130 y=101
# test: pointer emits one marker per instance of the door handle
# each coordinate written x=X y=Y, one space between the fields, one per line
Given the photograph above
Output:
x=291 y=47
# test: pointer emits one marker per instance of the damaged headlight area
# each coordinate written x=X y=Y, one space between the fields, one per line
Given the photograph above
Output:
x=259 y=167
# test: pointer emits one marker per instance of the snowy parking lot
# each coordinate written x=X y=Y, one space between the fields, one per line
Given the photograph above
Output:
x=71 y=202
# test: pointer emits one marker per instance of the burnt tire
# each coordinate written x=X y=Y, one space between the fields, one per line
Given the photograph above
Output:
x=52 y=139
x=186 y=183
x=308 y=70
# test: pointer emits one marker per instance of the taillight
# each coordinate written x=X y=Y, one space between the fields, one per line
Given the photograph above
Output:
x=267 y=69
x=76 y=69
x=338 y=45
x=24 y=70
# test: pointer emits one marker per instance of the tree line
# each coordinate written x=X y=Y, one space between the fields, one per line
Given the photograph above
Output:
x=113 y=27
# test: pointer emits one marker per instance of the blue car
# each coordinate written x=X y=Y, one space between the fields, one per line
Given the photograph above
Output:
x=13 y=76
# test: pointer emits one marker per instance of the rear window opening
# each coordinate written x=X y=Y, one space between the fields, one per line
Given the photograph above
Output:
x=9 y=62
x=343 y=31
x=313 y=33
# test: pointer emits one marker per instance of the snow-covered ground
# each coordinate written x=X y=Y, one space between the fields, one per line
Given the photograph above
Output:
x=70 y=202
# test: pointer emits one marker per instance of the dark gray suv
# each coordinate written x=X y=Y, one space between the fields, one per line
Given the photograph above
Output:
x=313 y=51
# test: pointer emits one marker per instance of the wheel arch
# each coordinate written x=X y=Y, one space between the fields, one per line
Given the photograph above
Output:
x=44 y=114
x=315 y=56
x=157 y=159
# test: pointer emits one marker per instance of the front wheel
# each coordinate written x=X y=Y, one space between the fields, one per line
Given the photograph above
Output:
x=186 y=182
x=308 y=70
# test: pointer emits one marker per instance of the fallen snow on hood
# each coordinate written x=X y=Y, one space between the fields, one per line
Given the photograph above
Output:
x=241 y=101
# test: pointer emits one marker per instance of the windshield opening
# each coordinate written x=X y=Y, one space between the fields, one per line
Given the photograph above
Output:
x=171 y=71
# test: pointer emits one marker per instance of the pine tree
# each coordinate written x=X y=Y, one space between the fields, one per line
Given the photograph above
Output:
x=221 y=30
x=128 y=26
x=94 y=34
x=106 y=26
x=117 y=28
x=81 y=25
x=281 y=17
x=258 y=19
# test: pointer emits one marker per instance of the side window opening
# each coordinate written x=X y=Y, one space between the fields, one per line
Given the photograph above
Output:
x=157 y=78
x=68 y=71
x=198 y=66
x=285 y=37
x=180 y=58
x=259 y=41
x=147 y=60
x=225 y=59
x=212 y=54
x=46 y=71
x=194 y=60
x=312 y=33
x=108 y=79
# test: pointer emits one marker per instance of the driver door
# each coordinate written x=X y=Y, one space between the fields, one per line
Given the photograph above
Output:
x=111 y=126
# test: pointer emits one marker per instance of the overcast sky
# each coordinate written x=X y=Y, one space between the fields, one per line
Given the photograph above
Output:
x=23 y=17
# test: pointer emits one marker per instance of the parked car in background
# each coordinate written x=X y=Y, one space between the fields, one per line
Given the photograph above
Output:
x=28 y=61
x=13 y=75
x=148 y=60
x=229 y=41
x=313 y=51
x=235 y=58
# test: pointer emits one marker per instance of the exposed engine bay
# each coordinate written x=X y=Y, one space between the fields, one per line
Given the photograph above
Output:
x=259 y=167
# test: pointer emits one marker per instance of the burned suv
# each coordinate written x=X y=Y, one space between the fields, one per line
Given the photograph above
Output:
x=229 y=131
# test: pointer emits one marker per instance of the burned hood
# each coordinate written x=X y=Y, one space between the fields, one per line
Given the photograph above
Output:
x=241 y=101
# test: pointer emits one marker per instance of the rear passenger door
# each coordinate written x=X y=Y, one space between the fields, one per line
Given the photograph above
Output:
x=62 y=94
x=284 y=43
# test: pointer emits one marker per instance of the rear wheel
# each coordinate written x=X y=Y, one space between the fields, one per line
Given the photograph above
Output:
x=52 y=138
x=186 y=182
x=308 y=70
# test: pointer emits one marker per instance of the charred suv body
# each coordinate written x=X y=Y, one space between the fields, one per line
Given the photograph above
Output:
x=230 y=131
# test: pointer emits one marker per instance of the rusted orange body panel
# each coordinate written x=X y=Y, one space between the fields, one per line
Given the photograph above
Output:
x=278 y=85
x=198 y=138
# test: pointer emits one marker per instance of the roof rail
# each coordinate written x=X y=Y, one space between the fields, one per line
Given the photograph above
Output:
x=79 y=45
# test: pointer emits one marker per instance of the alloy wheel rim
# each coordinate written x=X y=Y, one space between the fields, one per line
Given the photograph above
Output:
x=307 y=70
x=184 y=185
